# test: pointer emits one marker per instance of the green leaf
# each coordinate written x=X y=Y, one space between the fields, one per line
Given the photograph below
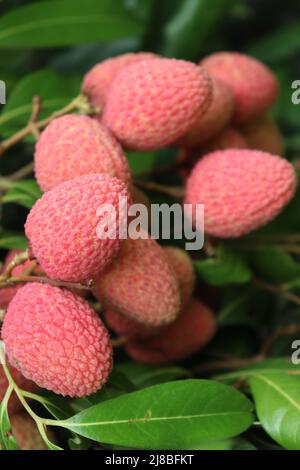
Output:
x=7 y=440
x=274 y=265
x=69 y=22
x=174 y=415
x=145 y=376
x=235 y=306
x=54 y=90
x=185 y=35
x=279 y=44
x=141 y=162
x=25 y=193
x=277 y=399
x=12 y=241
x=228 y=267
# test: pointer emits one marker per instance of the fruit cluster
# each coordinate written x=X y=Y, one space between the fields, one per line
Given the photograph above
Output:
x=229 y=153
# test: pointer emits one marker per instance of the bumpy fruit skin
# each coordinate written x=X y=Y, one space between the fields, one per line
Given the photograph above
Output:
x=182 y=266
x=57 y=340
x=126 y=327
x=62 y=227
x=14 y=403
x=140 y=284
x=192 y=330
x=75 y=145
x=254 y=85
x=214 y=119
x=26 y=433
x=97 y=81
x=242 y=190
x=264 y=134
x=153 y=103
x=229 y=138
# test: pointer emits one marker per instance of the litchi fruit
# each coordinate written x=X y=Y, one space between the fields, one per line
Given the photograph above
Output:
x=98 y=80
x=153 y=103
x=7 y=293
x=214 y=119
x=242 y=190
x=140 y=284
x=126 y=327
x=14 y=403
x=75 y=145
x=26 y=433
x=62 y=226
x=253 y=84
x=190 y=332
x=57 y=340
x=264 y=134
x=229 y=138
x=182 y=267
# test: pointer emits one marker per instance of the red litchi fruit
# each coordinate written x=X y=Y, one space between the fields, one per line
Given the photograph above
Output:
x=98 y=80
x=214 y=119
x=254 y=85
x=242 y=190
x=153 y=103
x=190 y=332
x=7 y=293
x=62 y=227
x=26 y=433
x=182 y=267
x=140 y=284
x=264 y=134
x=229 y=138
x=57 y=340
x=75 y=145
x=14 y=403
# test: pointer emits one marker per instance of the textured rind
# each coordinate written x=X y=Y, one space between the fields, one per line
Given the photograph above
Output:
x=264 y=134
x=140 y=284
x=242 y=190
x=14 y=403
x=57 y=340
x=214 y=119
x=253 y=84
x=7 y=293
x=62 y=227
x=229 y=138
x=126 y=327
x=182 y=267
x=192 y=330
x=26 y=433
x=75 y=145
x=98 y=79
x=154 y=102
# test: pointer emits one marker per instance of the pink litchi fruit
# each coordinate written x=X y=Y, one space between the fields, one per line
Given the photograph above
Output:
x=98 y=79
x=62 y=227
x=57 y=340
x=182 y=267
x=153 y=103
x=214 y=119
x=229 y=138
x=140 y=284
x=75 y=145
x=253 y=84
x=241 y=190
x=189 y=333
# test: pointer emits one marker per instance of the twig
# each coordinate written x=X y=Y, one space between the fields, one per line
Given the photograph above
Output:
x=229 y=364
x=276 y=290
x=45 y=280
x=36 y=109
x=22 y=172
x=20 y=258
x=288 y=330
x=173 y=191
x=116 y=342
x=80 y=102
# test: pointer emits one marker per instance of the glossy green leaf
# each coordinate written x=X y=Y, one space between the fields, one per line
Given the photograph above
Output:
x=24 y=192
x=11 y=240
x=277 y=399
x=227 y=267
x=174 y=415
x=274 y=264
x=67 y=22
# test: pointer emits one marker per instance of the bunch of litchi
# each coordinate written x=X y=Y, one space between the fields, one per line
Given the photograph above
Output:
x=215 y=114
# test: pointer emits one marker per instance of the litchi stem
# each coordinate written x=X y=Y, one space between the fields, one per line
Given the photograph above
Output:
x=79 y=103
x=276 y=290
x=119 y=341
x=22 y=172
x=18 y=259
x=174 y=191
x=43 y=280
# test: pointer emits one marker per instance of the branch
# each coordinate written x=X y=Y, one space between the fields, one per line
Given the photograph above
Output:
x=45 y=280
x=276 y=290
x=18 y=259
x=173 y=191
x=288 y=330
